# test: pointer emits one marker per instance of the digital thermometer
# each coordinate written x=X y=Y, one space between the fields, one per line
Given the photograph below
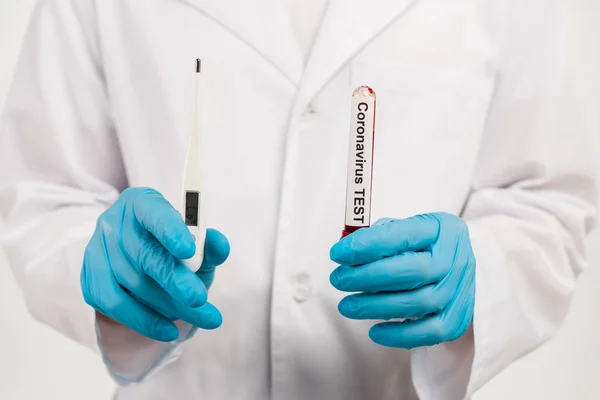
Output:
x=192 y=204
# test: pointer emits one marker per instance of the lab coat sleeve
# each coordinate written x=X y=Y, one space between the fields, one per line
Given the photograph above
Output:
x=60 y=168
x=534 y=197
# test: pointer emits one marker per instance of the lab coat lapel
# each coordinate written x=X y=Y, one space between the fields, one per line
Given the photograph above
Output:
x=264 y=25
x=348 y=25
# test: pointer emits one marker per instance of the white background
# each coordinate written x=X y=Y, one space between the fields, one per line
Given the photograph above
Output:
x=37 y=363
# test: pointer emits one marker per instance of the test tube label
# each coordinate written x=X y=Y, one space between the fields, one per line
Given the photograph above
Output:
x=360 y=162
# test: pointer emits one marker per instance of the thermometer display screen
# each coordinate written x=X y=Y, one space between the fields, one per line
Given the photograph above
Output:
x=192 y=201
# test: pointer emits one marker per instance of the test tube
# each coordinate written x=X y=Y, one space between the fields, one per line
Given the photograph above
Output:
x=360 y=160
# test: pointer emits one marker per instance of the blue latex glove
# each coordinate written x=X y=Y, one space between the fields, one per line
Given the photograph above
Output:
x=132 y=271
x=421 y=268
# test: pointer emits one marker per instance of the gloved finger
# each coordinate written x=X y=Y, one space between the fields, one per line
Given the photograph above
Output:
x=148 y=256
x=446 y=326
x=205 y=317
x=415 y=234
x=171 y=274
x=418 y=303
x=410 y=334
x=140 y=318
x=102 y=292
x=402 y=272
x=216 y=251
x=150 y=293
x=155 y=214
x=136 y=316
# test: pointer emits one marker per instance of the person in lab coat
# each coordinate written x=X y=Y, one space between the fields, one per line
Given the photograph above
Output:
x=483 y=185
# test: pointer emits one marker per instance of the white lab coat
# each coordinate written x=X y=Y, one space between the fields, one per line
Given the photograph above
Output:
x=481 y=113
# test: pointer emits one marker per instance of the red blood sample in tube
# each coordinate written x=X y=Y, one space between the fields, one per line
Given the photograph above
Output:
x=360 y=160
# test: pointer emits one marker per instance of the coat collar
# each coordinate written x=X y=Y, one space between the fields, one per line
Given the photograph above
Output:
x=347 y=26
x=264 y=26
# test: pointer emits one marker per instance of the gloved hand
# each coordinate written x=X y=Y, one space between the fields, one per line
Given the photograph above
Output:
x=132 y=271
x=421 y=269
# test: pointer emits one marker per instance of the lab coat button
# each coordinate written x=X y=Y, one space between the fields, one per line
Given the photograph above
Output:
x=309 y=110
x=302 y=288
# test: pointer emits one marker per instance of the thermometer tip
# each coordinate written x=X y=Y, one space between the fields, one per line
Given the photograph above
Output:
x=198 y=65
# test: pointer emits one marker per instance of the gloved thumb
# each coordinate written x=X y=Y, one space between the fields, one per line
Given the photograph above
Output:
x=216 y=251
